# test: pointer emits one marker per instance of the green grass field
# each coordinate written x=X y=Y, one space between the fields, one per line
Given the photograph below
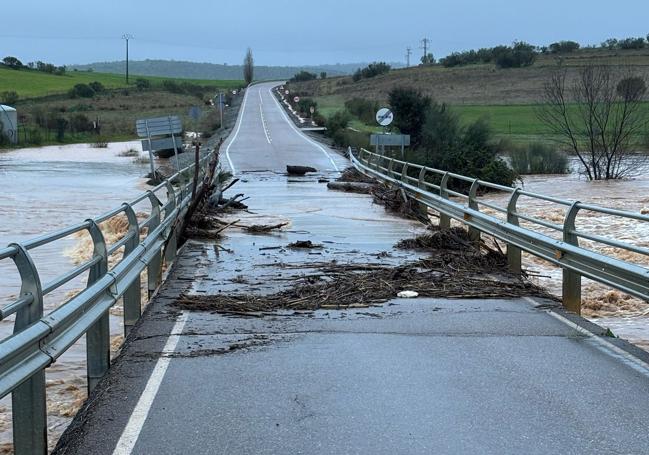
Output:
x=34 y=84
x=517 y=122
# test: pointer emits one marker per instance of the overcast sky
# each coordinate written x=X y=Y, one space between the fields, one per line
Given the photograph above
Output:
x=288 y=32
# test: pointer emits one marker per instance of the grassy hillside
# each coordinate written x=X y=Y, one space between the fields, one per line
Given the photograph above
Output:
x=505 y=98
x=33 y=84
x=475 y=84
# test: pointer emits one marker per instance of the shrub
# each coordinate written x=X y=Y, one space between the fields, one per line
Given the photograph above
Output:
x=81 y=91
x=563 y=47
x=364 y=110
x=305 y=104
x=98 y=87
x=9 y=97
x=303 y=76
x=323 y=75
x=409 y=106
x=467 y=150
x=538 y=158
x=337 y=122
x=142 y=84
x=519 y=55
x=79 y=123
x=60 y=125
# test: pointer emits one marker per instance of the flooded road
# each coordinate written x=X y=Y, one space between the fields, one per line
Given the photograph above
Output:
x=45 y=189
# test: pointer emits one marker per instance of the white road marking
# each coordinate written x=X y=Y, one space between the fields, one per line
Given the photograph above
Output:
x=609 y=348
x=263 y=120
x=135 y=423
x=236 y=132
x=300 y=133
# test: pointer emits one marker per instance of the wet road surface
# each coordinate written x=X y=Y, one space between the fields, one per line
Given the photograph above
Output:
x=412 y=376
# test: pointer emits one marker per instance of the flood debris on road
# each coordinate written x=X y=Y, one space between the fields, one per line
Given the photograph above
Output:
x=456 y=270
x=351 y=187
x=299 y=170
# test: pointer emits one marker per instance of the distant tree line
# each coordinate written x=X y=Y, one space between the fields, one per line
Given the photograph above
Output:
x=518 y=55
x=16 y=64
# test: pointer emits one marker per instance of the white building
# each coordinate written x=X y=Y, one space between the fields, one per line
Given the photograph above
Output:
x=9 y=121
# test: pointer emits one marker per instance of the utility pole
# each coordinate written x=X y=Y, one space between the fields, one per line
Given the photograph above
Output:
x=126 y=37
x=408 y=54
x=424 y=45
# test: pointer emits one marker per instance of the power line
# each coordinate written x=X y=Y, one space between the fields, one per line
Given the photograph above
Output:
x=408 y=54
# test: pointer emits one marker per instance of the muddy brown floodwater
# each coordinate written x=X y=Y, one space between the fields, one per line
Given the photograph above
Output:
x=626 y=316
x=45 y=189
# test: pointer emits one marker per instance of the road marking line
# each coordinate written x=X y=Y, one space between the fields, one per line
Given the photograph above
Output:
x=135 y=423
x=263 y=123
x=609 y=348
x=300 y=133
x=236 y=132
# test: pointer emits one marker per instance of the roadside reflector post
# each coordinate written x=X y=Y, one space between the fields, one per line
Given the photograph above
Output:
x=514 y=257
x=571 y=280
x=444 y=220
x=98 y=336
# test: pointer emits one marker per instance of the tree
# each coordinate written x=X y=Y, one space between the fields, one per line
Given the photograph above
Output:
x=563 y=47
x=409 y=107
x=248 y=67
x=597 y=117
x=427 y=59
x=323 y=75
x=12 y=62
x=303 y=76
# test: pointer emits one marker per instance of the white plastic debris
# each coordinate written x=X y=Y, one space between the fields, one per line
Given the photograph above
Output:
x=408 y=294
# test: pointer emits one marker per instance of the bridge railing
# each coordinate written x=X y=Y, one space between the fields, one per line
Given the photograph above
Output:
x=578 y=252
x=113 y=271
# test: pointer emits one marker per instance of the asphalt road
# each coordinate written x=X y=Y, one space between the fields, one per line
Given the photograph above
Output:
x=416 y=376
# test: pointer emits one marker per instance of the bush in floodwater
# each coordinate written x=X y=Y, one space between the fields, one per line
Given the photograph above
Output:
x=538 y=158
x=100 y=143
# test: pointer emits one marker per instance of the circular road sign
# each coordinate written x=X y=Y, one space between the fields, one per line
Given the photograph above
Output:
x=287 y=92
x=312 y=109
x=384 y=116
x=296 y=99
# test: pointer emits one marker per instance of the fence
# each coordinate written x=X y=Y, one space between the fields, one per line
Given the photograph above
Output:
x=436 y=189
x=38 y=339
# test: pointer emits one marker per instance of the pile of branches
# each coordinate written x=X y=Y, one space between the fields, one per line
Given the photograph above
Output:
x=448 y=274
x=351 y=175
x=396 y=201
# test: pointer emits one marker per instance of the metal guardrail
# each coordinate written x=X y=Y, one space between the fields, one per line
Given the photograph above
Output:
x=38 y=339
x=432 y=187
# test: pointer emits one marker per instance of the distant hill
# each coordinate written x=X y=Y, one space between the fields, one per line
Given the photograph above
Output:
x=193 y=70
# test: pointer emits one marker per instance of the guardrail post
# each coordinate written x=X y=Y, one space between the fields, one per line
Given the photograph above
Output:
x=571 y=280
x=474 y=234
x=421 y=207
x=132 y=298
x=154 y=269
x=98 y=336
x=29 y=410
x=172 y=236
x=444 y=220
x=391 y=168
x=514 y=259
x=404 y=173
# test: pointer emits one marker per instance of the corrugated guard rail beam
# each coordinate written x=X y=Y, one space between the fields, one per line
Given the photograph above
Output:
x=457 y=197
x=113 y=273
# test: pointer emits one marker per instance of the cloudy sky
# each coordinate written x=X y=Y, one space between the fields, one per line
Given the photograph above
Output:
x=288 y=32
